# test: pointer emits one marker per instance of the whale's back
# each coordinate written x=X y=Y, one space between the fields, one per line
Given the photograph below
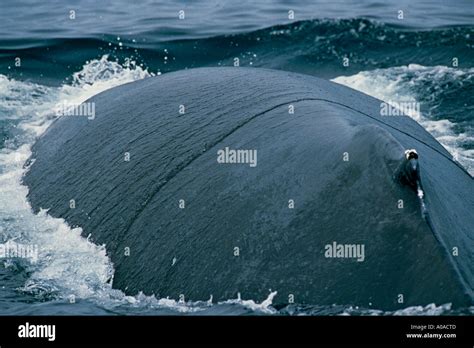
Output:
x=177 y=221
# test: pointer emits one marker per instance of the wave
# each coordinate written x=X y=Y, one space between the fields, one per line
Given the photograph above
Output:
x=315 y=47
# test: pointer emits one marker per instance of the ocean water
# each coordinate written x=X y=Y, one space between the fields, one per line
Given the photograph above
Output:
x=110 y=43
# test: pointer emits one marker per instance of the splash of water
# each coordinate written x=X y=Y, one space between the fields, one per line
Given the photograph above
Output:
x=68 y=264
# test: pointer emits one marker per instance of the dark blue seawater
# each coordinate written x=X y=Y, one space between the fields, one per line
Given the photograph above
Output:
x=47 y=56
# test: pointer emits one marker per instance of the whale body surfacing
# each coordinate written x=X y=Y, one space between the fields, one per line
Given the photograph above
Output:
x=147 y=182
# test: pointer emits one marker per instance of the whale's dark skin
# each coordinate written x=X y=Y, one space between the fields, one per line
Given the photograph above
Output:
x=301 y=157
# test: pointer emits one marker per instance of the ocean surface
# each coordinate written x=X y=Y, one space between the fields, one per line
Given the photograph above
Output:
x=49 y=54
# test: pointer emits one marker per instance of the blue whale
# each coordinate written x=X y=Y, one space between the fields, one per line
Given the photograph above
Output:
x=220 y=181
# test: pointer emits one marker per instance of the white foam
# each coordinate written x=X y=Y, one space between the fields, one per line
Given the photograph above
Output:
x=264 y=307
x=430 y=309
x=68 y=263
x=397 y=84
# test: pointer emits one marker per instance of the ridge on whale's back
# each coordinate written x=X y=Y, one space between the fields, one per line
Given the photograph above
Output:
x=323 y=175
